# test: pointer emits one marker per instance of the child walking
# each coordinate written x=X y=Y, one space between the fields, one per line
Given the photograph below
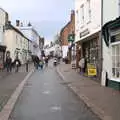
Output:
x=41 y=64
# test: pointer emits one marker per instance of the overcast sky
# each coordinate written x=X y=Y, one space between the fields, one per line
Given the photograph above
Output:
x=48 y=16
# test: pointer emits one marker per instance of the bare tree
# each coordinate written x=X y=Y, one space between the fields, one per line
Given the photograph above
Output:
x=57 y=39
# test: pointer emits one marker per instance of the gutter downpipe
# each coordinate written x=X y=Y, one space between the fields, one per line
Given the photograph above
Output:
x=102 y=7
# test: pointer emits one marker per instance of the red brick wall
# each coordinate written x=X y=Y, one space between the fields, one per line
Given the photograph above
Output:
x=68 y=29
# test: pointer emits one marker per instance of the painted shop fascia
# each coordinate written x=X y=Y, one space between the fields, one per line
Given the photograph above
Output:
x=87 y=33
x=89 y=42
x=90 y=47
x=111 y=54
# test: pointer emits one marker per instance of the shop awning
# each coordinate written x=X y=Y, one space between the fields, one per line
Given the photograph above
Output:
x=2 y=48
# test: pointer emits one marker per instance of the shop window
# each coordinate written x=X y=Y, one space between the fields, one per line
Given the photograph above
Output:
x=116 y=61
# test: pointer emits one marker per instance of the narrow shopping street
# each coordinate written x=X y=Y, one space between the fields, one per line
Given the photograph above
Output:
x=46 y=97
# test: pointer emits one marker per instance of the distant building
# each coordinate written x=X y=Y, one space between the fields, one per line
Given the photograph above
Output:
x=31 y=34
x=87 y=33
x=41 y=42
x=67 y=30
x=16 y=43
x=3 y=21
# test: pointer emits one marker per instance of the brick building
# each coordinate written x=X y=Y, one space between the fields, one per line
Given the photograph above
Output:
x=68 y=29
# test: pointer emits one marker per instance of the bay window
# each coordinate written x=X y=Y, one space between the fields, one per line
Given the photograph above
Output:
x=115 y=42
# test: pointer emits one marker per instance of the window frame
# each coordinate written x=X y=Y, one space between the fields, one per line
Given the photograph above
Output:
x=82 y=15
x=119 y=7
x=88 y=11
x=115 y=55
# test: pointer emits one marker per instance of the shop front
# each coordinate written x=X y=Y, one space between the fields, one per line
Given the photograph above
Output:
x=2 y=56
x=90 y=51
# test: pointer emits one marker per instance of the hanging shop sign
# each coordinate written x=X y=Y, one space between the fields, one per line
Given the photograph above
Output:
x=84 y=33
x=71 y=38
x=91 y=70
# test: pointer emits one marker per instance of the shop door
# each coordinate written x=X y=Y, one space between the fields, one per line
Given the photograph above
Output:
x=1 y=60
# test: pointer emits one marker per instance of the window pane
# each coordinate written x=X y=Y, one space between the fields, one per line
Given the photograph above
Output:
x=113 y=61
x=117 y=61
x=117 y=49
x=113 y=50
x=117 y=37
x=117 y=72
x=113 y=72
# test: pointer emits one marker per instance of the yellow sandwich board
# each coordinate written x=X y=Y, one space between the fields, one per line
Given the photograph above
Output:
x=91 y=70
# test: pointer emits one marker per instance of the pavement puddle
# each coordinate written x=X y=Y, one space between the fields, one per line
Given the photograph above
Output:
x=45 y=84
x=28 y=84
x=55 y=108
x=46 y=92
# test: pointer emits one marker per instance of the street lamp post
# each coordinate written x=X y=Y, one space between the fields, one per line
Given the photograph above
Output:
x=71 y=38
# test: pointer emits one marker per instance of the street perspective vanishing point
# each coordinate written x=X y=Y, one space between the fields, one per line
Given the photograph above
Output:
x=60 y=60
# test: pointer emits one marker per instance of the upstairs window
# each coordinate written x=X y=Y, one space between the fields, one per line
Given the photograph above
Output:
x=82 y=14
x=119 y=7
x=89 y=10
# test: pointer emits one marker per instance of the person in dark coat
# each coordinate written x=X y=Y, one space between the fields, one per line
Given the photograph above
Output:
x=8 y=64
x=46 y=61
x=36 y=61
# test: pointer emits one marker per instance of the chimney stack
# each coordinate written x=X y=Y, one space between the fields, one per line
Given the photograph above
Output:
x=72 y=15
x=17 y=23
x=9 y=22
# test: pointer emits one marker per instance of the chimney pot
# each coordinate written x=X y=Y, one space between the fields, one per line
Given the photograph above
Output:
x=72 y=14
x=9 y=22
x=17 y=22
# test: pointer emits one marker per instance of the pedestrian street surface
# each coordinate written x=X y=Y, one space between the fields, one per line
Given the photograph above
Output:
x=46 y=97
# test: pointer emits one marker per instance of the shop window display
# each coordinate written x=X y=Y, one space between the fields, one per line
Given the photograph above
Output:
x=116 y=61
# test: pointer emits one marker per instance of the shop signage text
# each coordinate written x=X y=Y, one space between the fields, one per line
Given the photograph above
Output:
x=84 y=33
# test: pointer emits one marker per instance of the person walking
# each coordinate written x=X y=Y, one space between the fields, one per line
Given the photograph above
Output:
x=36 y=60
x=82 y=65
x=8 y=64
x=46 y=61
x=41 y=63
x=17 y=64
